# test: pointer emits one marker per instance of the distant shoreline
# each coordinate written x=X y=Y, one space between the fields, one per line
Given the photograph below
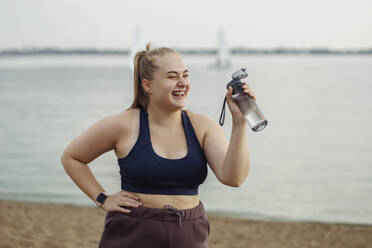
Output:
x=200 y=51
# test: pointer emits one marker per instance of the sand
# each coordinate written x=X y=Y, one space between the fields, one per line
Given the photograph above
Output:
x=25 y=224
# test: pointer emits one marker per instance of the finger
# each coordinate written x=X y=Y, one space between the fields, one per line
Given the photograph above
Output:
x=250 y=93
x=123 y=210
x=128 y=202
x=129 y=194
x=248 y=90
x=229 y=92
x=131 y=200
x=246 y=87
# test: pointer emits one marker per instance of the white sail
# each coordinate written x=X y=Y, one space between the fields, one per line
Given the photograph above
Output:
x=223 y=53
x=139 y=43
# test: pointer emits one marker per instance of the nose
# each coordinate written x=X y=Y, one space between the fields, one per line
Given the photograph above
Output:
x=181 y=82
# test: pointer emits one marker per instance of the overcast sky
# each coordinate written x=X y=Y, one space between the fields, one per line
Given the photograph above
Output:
x=187 y=23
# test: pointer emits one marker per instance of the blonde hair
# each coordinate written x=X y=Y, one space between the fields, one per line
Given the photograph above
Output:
x=144 y=67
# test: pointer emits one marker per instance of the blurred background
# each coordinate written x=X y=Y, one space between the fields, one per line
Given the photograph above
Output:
x=66 y=64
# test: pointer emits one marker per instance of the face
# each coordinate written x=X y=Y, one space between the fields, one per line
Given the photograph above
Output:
x=170 y=84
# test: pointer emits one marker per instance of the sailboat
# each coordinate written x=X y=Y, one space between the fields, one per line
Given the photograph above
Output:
x=223 y=52
x=138 y=44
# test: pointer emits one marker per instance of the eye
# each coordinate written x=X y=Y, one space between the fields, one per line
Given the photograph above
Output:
x=186 y=75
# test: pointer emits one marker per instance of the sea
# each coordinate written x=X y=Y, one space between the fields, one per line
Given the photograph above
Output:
x=312 y=162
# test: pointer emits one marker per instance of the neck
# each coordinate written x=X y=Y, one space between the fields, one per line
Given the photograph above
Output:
x=163 y=117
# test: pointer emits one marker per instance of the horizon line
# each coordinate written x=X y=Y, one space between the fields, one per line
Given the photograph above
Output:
x=201 y=50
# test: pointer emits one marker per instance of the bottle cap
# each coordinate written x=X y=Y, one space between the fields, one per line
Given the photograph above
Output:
x=236 y=85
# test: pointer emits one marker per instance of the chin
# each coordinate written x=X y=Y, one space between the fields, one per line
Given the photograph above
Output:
x=178 y=105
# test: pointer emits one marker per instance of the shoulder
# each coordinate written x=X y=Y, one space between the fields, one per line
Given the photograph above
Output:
x=120 y=122
x=101 y=137
x=200 y=120
x=128 y=114
x=207 y=129
x=203 y=126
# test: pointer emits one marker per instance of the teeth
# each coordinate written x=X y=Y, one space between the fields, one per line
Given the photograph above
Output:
x=178 y=93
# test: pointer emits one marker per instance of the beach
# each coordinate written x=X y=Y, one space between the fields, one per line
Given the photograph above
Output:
x=29 y=224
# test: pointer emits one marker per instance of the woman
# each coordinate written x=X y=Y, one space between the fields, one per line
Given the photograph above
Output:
x=163 y=153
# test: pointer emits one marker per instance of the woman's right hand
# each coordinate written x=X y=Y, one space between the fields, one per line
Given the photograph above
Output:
x=122 y=198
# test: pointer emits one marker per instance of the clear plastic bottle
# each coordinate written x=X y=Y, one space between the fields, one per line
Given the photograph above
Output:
x=247 y=105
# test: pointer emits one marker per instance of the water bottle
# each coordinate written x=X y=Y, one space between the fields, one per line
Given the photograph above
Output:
x=247 y=105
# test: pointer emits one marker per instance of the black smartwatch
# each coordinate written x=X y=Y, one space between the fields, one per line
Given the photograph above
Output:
x=101 y=198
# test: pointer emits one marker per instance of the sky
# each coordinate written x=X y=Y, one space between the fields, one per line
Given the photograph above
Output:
x=339 y=24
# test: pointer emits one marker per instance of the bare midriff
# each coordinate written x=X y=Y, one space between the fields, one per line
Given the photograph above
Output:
x=177 y=201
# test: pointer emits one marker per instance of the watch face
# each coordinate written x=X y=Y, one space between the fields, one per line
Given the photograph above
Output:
x=101 y=198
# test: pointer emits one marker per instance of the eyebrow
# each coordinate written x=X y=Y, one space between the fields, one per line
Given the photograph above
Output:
x=177 y=72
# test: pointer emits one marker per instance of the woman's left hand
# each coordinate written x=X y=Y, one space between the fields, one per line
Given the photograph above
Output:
x=234 y=109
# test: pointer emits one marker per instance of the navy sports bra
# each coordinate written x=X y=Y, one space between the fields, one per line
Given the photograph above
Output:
x=144 y=171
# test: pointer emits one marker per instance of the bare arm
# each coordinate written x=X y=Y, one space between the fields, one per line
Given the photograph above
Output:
x=230 y=161
x=96 y=140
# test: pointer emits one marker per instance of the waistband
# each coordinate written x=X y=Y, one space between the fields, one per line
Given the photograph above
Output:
x=168 y=213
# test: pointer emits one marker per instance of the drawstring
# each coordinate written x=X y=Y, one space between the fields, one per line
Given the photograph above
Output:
x=222 y=116
x=178 y=212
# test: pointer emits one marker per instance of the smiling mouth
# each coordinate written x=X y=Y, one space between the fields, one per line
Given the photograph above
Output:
x=179 y=93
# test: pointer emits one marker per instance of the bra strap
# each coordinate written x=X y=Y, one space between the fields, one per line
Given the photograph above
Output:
x=190 y=132
x=144 y=134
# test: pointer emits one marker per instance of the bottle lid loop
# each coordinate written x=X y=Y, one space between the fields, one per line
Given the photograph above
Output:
x=222 y=116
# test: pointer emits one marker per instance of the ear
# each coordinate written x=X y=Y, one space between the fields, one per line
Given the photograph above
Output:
x=147 y=86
